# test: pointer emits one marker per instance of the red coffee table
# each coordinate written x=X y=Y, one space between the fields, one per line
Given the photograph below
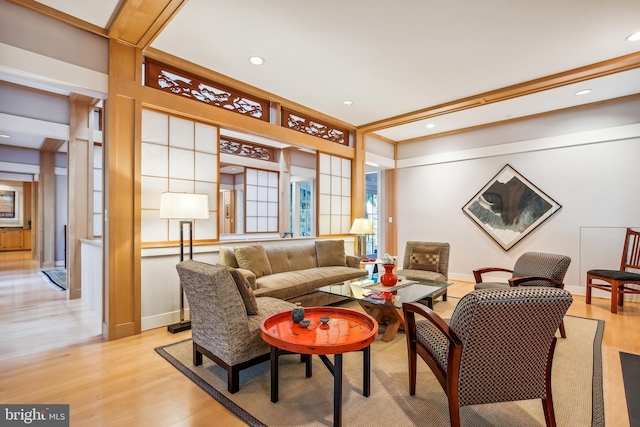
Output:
x=347 y=330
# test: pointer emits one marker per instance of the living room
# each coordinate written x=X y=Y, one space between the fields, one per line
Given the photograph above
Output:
x=581 y=157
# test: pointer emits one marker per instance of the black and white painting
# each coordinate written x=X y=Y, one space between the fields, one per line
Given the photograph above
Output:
x=509 y=207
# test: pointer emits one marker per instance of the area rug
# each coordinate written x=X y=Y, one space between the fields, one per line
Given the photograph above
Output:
x=577 y=387
x=631 y=378
x=58 y=278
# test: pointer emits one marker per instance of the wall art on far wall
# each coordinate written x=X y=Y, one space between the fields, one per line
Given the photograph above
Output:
x=7 y=204
x=509 y=207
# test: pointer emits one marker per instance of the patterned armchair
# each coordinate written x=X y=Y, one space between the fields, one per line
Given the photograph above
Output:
x=221 y=328
x=441 y=270
x=466 y=354
x=531 y=269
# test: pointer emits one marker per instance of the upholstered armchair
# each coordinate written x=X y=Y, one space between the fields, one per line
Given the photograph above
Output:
x=531 y=269
x=465 y=355
x=425 y=260
x=221 y=327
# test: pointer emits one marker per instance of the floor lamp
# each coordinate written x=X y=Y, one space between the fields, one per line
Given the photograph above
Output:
x=361 y=227
x=186 y=207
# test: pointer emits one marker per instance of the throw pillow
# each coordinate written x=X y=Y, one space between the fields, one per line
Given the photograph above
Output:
x=330 y=252
x=253 y=258
x=425 y=258
x=248 y=298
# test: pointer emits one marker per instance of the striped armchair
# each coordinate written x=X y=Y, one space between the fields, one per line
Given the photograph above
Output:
x=466 y=355
x=221 y=328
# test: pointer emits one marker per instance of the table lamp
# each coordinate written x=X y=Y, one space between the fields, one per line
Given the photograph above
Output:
x=361 y=227
x=186 y=207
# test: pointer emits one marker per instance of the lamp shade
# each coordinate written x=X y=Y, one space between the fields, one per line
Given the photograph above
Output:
x=184 y=206
x=361 y=226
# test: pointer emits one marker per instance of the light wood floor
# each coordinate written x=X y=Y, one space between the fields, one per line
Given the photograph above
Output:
x=51 y=351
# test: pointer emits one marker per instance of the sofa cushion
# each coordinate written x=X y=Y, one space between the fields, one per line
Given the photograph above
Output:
x=292 y=257
x=253 y=258
x=425 y=258
x=330 y=253
x=248 y=298
x=292 y=284
x=421 y=275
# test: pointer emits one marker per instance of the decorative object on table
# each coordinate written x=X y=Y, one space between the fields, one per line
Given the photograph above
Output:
x=297 y=314
x=616 y=281
x=509 y=207
x=389 y=263
x=186 y=207
x=305 y=323
x=361 y=227
x=325 y=319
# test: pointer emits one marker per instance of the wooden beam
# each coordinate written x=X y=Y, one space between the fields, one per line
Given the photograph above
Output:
x=138 y=22
x=241 y=86
x=600 y=69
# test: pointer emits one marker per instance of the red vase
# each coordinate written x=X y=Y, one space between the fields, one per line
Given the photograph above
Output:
x=388 y=278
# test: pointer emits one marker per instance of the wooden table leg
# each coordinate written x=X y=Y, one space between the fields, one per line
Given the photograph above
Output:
x=274 y=374
x=366 y=373
x=337 y=390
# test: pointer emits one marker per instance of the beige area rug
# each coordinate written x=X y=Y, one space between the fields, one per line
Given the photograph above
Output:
x=577 y=387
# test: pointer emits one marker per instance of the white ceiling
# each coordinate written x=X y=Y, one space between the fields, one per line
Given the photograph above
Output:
x=392 y=58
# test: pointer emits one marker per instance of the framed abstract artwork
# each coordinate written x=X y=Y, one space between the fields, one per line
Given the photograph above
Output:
x=509 y=207
x=7 y=204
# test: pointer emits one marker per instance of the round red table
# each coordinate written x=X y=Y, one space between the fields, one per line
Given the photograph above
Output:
x=347 y=330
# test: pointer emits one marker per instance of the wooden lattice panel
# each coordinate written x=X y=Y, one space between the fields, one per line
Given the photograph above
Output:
x=168 y=79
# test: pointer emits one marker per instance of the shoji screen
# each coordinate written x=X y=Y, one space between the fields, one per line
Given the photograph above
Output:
x=261 y=196
x=334 y=177
x=180 y=156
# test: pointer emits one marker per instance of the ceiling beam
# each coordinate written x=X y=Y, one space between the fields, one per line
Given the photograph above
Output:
x=138 y=22
x=52 y=145
x=600 y=69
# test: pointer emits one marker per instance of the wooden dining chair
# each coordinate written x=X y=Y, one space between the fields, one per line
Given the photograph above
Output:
x=617 y=280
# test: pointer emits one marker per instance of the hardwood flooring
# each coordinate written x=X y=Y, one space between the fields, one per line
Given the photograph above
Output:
x=51 y=351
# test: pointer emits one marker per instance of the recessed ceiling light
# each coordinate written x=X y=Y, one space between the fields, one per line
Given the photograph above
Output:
x=633 y=37
x=430 y=126
x=4 y=136
x=583 y=92
x=347 y=102
x=256 y=60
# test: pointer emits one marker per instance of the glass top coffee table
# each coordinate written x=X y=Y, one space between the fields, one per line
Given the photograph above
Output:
x=385 y=304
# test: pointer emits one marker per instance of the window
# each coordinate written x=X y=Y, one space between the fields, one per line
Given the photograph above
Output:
x=301 y=209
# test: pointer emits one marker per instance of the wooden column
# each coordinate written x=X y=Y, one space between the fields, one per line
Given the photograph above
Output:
x=46 y=217
x=285 y=190
x=358 y=182
x=390 y=203
x=121 y=251
x=80 y=186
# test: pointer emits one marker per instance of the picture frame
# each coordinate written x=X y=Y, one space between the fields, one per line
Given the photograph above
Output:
x=509 y=207
x=7 y=204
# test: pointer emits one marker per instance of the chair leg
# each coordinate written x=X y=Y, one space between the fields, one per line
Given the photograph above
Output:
x=549 y=414
x=614 y=296
x=197 y=356
x=588 y=295
x=454 y=411
x=233 y=379
x=563 y=334
x=413 y=362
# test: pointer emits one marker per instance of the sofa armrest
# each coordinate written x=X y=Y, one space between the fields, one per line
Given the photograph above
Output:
x=353 y=261
x=250 y=276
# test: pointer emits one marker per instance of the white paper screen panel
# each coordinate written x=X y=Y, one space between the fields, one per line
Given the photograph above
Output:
x=261 y=200
x=334 y=195
x=181 y=156
x=97 y=191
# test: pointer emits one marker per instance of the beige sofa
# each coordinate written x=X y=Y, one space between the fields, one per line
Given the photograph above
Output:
x=293 y=272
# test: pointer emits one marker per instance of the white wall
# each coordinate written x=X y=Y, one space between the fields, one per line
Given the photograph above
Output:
x=597 y=185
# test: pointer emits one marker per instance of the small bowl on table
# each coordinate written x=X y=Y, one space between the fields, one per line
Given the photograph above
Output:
x=305 y=323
